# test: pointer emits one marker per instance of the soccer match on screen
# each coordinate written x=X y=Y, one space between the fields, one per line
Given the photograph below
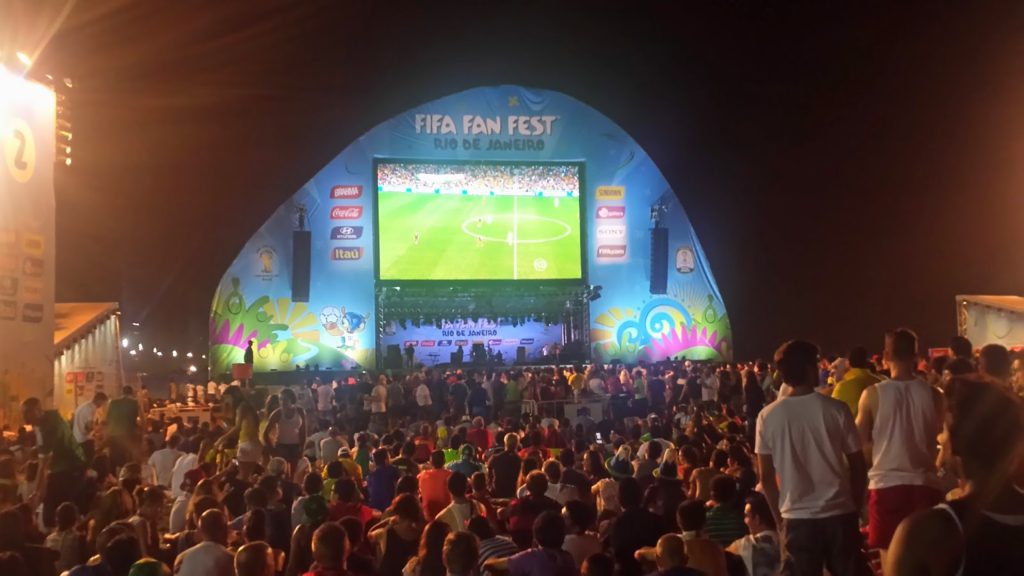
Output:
x=478 y=221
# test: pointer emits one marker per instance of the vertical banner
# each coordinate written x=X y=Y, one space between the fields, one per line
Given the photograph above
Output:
x=27 y=118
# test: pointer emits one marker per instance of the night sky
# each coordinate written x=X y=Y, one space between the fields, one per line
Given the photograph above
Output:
x=847 y=169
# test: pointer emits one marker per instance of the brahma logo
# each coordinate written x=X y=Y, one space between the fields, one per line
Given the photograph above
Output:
x=494 y=342
x=611 y=232
x=615 y=212
x=606 y=193
x=346 y=212
x=611 y=251
x=351 y=253
x=346 y=233
x=408 y=343
x=346 y=192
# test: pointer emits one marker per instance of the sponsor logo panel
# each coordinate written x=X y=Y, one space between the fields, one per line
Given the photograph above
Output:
x=611 y=212
x=607 y=193
x=346 y=212
x=347 y=253
x=346 y=192
x=611 y=251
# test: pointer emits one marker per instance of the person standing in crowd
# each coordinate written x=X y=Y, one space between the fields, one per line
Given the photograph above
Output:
x=424 y=402
x=461 y=552
x=209 y=557
x=330 y=551
x=380 y=483
x=124 y=435
x=290 y=423
x=61 y=461
x=812 y=470
x=994 y=363
x=856 y=379
x=899 y=420
x=379 y=403
x=244 y=432
x=981 y=532
x=324 y=400
x=84 y=423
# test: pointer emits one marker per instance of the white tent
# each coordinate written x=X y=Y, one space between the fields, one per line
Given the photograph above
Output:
x=991 y=319
x=87 y=353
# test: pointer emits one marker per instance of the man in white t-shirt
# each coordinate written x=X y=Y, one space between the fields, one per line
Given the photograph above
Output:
x=812 y=470
x=187 y=462
x=423 y=400
x=899 y=420
x=325 y=400
x=84 y=422
x=163 y=461
x=210 y=557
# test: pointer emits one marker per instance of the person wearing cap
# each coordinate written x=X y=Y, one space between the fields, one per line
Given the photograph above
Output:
x=467 y=464
x=352 y=468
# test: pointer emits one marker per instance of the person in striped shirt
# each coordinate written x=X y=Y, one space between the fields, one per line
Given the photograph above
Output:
x=725 y=515
x=491 y=546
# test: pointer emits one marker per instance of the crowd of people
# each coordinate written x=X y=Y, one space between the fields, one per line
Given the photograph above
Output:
x=479 y=178
x=855 y=465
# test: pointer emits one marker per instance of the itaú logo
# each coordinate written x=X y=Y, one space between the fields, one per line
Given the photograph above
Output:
x=611 y=251
x=346 y=212
x=350 y=253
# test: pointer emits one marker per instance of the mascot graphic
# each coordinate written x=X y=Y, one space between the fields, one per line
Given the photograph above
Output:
x=344 y=325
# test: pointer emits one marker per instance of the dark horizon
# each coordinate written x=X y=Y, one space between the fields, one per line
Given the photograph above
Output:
x=847 y=169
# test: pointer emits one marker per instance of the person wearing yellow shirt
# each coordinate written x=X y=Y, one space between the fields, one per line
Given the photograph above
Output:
x=856 y=379
x=577 y=380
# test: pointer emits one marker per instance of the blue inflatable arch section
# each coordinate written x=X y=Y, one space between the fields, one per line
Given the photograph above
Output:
x=336 y=326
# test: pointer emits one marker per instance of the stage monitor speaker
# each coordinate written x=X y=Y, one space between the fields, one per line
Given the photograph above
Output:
x=659 y=261
x=300 y=265
x=520 y=354
x=393 y=358
x=479 y=353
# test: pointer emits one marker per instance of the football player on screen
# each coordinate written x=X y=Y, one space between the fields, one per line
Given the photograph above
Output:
x=416 y=238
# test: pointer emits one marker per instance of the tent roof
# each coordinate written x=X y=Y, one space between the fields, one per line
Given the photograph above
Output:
x=1011 y=303
x=73 y=320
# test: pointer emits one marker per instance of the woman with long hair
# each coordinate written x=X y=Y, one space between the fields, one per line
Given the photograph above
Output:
x=430 y=561
x=397 y=538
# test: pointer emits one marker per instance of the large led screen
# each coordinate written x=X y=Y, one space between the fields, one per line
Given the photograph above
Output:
x=478 y=221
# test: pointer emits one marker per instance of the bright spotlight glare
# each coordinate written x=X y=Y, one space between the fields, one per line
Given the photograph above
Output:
x=24 y=58
x=174 y=353
x=193 y=369
x=133 y=352
x=67 y=162
x=189 y=355
x=68 y=83
x=124 y=342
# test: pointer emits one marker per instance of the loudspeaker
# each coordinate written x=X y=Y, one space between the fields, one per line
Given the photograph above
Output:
x=301 y=240
x=659 y=261
x=393 y=358
x=521 y=355
x=479 y=353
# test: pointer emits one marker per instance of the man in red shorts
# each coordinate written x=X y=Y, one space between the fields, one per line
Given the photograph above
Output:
x=899 y=420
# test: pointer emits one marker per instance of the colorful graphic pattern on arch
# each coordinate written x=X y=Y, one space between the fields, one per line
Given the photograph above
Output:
x=496 y=126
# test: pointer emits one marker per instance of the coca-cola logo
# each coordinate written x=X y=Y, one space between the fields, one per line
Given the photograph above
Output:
x=346 y=232
x=346 y=212
x=346 y=192
x=350 y=253
x=611 y=251
x=605 y=212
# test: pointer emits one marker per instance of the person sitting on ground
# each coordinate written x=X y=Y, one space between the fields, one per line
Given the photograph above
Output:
x=580 y=541
x=598 y=565
x=759 y=550
x=460 y=555
x=558 y=491
x=635 y=528
x=490 y=545
x=360 y=556
x=330 y=551
x=211 y=555
x=704 y=554
x=405 y=463
x=546 y=559
x=67 y=541
x=522 y=512
x=645 y=467
x=147 y=519
x=478 y=436
x=467 y=464
x=347 y=500
x=397 y=538
x=671 y=558
x=434 y=486
x=312 y=484
x=123 y=552
x=458 y=514
x=255 y=559
x=429 y=561
x=725 y=516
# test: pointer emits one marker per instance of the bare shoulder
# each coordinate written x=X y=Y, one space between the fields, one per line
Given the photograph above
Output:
x=928 y=542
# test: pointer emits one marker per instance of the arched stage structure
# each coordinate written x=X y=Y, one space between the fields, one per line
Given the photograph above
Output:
x=504 y=218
